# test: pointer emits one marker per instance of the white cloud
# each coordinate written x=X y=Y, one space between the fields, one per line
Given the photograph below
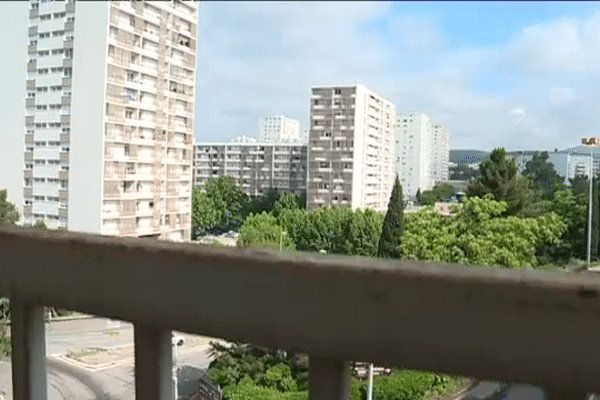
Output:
x=261 y=58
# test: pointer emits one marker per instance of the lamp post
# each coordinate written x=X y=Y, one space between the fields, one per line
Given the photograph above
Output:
x=281 y=239
x=370 y=387
x=591 y=142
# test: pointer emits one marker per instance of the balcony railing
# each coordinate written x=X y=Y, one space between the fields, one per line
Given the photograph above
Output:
x=523 y=326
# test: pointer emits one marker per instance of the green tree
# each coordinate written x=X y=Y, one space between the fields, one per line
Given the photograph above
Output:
x=8 y=211
x=40 y=224
x=580 y=184
x=263 y=203
x=219 y=208
x=393 y=224
x=499 y=177
x=462 y=172
x=263 y=230
x=479 y=234
x=205 y=215
x=442 y=192
x=544 y=177
x=287 y=201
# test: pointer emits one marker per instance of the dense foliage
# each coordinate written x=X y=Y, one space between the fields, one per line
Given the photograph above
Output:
x=245 y=372
x=498 y=176
x=222 y=206
x=393 y=224
x=442 y=192
x=8 y=211
x=479 y=234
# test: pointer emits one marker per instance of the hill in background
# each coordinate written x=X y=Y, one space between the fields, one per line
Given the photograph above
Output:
x=468 y=156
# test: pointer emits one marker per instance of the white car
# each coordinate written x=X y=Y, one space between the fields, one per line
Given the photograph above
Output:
x=177 y=340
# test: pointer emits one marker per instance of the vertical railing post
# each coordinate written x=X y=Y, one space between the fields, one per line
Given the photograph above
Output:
x=28 y=341
x=329 y=379
x=153 y=363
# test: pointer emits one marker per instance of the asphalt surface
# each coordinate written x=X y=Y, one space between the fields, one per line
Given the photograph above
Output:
x=67 y=381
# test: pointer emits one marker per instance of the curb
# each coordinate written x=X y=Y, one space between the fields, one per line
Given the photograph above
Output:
x=460 y=394
x=99 y=367
x=66 y=318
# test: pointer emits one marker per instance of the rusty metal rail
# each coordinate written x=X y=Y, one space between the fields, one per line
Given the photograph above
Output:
x=523 y=326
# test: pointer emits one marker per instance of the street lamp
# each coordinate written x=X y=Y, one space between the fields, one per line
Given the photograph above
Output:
x=591 y=142
x=281 y=239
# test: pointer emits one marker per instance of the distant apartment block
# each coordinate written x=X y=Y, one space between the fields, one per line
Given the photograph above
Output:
x=422 y=152
x=350 y=148
x=255 y=166
x=568 y=163
x=110 y=117
x=278 y=129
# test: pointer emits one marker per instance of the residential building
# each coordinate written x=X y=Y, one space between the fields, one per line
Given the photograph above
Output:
x=350 y=148
x=278 y=129
x=255 y=166
x=422 y=152
x=110 y=117
x=568 y=163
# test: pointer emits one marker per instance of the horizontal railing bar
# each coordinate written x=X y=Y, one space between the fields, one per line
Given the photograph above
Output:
x=525 y=326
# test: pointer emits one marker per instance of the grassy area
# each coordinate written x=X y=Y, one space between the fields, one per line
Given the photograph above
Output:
x=79 y=353
x=452 y=385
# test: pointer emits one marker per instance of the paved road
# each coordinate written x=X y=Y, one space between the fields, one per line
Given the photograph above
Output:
x=66 y=381
x=512 y=391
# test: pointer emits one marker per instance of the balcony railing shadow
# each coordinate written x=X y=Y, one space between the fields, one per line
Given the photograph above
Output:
x=515 y=325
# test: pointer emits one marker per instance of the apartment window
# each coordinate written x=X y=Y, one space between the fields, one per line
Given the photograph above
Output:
x=44 y=35
x=54 y=125
x=40 y=144
x=45 y=17
x=337 y=91
x=41 y=107
x=39 y=180
x=43 y=71
x=56 y=88
x=57 y=69
x=59 y=14
x=30 y=94
x=53 y=162
x=28 y=166
x=58 y=33
x=67 y=72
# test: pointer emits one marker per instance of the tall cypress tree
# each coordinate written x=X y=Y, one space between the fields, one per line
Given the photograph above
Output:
x=393 y=225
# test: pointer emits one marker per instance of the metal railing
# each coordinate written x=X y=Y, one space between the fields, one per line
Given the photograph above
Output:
x=517 y=325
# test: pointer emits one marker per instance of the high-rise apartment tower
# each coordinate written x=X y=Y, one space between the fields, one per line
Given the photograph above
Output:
x=110 y=116
x=350 y=148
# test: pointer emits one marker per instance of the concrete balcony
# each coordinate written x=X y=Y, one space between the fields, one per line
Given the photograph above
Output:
x=69 y=26
x=33 y=31
x=67 y=63
x=27 y=210
x=65 y=119
x=27 y=192
x=63 y=212
x=28 y=156
x=65 y=100
x=34 y=13
x=414 y=314
x=32 y=65
x=27 y=174
x=70 y=7
x=63 y=194
x=30 y=84
x=63 y=175
x=64 y=156
x=66 y=82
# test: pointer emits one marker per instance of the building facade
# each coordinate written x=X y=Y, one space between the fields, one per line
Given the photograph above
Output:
x=278 y=129
x=110 y=117
x=255 y=166
x=567 y=163
x=422 y=152
x=350 y=148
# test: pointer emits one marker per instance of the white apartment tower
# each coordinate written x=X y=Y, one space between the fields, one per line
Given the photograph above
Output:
x=422 y=152
x=350 y=154
x=278 y=129
x=110 y=116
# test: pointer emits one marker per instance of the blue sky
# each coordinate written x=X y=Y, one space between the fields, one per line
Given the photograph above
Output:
x=522 y=75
